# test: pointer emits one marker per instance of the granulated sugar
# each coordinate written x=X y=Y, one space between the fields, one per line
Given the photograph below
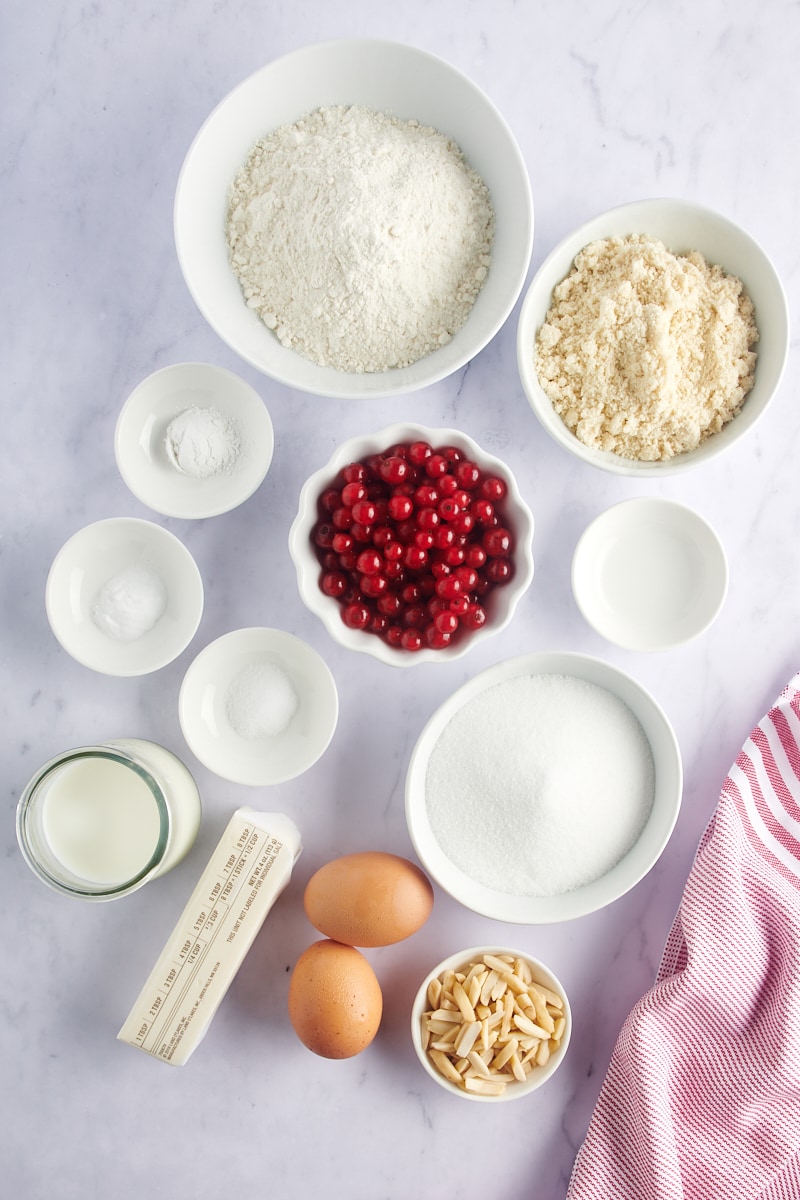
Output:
x=540 y=785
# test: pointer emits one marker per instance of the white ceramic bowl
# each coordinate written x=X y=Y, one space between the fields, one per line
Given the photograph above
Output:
x=140 y=440
x=501 y=602
x=513 y=1091
x=649 y=574
x=388 y=77
x=257 y=760
x=532 y=910
x=96 y=554
x=682 y=226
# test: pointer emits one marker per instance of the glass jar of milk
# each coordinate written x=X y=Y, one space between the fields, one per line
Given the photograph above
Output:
x=100 y=821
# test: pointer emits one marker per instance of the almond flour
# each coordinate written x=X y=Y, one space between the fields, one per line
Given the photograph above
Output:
x=646 y=353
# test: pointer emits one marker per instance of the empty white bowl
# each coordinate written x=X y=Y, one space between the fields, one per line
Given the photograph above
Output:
x=106 y=551
x=141 y=434
x=304 y=691
x=504 y=905
x=500 y=603
x=388 y=77
x=649 y=574
x=682 y=226
x=516 y=1089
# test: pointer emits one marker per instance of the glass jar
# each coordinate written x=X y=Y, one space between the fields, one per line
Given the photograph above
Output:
x=98 y=822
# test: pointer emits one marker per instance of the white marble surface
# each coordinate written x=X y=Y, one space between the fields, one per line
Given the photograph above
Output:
x=611 y=102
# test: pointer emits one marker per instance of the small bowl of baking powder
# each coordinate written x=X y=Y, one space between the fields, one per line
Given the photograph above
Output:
x=653 y=337
x=423 y=196
x=544 y=788
x=193 y=440
x=124 y=596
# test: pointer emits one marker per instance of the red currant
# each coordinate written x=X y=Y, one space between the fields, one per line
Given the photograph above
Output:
x=468 y=474
x=446 y=621
x=498 y=570
x=475 y=616
x=415 y=557
x=352 y=493
x=356 y=616
x=373 y=586
x=364 y=512
x=330 y=500
x=411 y=639
x=409 y=543
x=418 y=452
x=436 y=465
x=492 y=488
x=395 y=469
x=369 y=562
x=497 y=541
x=389 y=604
x=334 y=583
x=354 y=473
x=400 y=507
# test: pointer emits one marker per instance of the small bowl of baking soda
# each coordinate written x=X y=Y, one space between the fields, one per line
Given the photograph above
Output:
x=124 y=596
x=258 y=706
x=193 y=440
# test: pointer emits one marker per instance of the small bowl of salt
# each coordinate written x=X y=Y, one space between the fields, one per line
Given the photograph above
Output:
x=193 y=440
x=124 y=596
x=258 y=706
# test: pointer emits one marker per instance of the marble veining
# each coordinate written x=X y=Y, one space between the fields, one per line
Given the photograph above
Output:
x=610 y=102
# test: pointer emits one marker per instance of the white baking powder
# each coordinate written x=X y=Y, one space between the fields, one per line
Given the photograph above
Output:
x=202 y=441
x=129 y=604
x=361 y=240
x=539 y=785
x=261 y=700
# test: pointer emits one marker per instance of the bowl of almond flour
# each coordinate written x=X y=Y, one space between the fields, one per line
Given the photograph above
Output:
x=653 y=337
x=355 y=219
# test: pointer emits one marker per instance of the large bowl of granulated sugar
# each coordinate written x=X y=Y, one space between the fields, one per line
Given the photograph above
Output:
x=355 y=219
x=652 y=338
x=544 y=788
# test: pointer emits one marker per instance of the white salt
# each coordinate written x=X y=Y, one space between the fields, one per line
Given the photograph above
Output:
x=129 y=604
x=540 y=785
x=261 y=701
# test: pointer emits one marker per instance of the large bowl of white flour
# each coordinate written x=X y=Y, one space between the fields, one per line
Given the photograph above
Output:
x=355 y=219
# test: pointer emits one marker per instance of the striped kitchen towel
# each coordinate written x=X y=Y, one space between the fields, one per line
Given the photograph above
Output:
x=702 y=1096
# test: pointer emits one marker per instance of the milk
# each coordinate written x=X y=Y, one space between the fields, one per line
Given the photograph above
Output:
x=100 y=821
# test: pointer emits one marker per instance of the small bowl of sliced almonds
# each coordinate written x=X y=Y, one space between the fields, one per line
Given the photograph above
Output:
x=490 y=1024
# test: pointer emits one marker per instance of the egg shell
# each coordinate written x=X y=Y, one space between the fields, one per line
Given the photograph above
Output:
x=368 y=899
x=335 y=1000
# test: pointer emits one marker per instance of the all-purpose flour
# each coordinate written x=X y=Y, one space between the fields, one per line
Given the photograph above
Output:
x=360 y=239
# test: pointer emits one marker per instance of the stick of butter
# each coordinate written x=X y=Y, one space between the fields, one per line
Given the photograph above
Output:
x=245 y=875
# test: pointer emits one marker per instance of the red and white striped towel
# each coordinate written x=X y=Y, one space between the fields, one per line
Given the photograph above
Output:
x=702 y=1096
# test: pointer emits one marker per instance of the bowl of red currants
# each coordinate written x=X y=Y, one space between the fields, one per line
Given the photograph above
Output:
x=412 y=544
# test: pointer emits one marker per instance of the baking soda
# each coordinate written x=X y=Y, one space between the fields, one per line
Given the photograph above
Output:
x=540 y=785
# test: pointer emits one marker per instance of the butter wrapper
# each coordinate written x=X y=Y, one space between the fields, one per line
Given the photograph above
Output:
x=246 y=873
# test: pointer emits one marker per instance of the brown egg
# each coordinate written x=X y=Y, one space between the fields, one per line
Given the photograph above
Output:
x=368 y=899
x=335 y=1000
